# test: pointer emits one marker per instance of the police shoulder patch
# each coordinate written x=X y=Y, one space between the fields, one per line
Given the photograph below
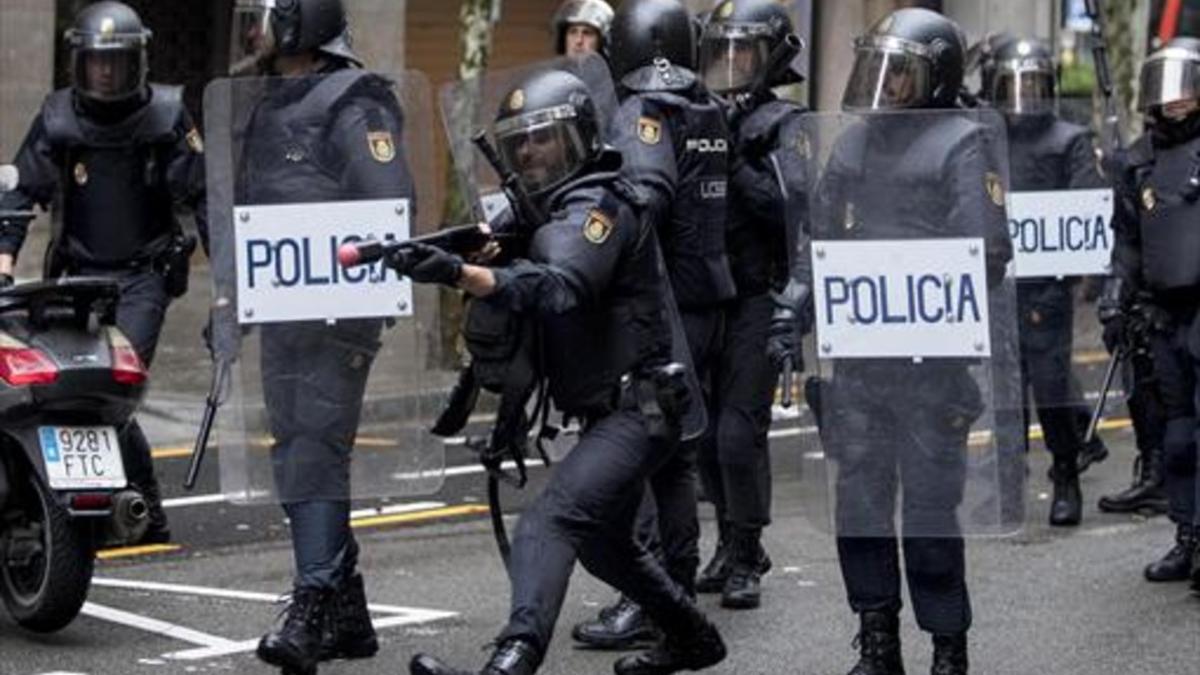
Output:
x=597 y=227
x=81 y=174
x=995 y=187
x=1149 y=199
x=195 y=142
x=649 y=130
x=383 y=149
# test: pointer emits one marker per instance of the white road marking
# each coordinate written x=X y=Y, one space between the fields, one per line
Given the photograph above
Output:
x=396 y=508
x=229 y=594
x=143 y=623
x=414 y=616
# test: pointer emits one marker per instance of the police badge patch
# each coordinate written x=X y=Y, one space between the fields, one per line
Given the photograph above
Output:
x=81 y=174
x=1149 y=199
x=382 y=147
x=194 y=142
x=995 y=187
x=649 y=130
x=598 y=227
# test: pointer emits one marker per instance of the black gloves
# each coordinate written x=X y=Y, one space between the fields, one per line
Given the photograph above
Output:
x=427 y=264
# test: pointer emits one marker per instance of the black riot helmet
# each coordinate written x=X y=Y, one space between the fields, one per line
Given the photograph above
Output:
x=1171 y=74
x=982 y=57
x=912 y=58
x=644 y=31
x=595 y=14
x=263 y=29
x=1024 y=79
x=108 y=53
x=738 y=42
x=547 y=130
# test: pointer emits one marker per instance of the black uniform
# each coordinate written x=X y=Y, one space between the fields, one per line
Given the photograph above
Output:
x=887 y=421
x=593 y=282
x=766 y=186
x=1158 y=256
x=675 y=142
x=317 y=139
x=119 y=172
x=1046 y=153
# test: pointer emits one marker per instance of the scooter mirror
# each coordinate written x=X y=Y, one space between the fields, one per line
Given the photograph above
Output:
x=9 y=177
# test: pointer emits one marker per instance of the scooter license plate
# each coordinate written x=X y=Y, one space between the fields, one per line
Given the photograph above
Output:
x=82 y=458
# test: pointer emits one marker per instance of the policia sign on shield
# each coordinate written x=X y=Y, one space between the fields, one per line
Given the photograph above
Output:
x=917 y=385
x=329 y=383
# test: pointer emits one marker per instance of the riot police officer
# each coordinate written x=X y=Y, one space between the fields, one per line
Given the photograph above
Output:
x=1045 y=153
x=745 y=50
x=122 y=154
x=899 y=424
x=675 y=142
x=590 y=275
x=581 y=27
x=321 y=129
x=1157 y=261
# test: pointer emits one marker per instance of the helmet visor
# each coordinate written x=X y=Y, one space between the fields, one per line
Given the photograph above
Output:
x=543 y=147
x=1021 y=91
x=1169 y=76
x=251 y=41
x=108 y=74
x=733 y=55
x=887 y=76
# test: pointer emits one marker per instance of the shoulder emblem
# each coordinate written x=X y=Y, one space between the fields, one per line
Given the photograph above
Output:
x=81 y=174
x=597 y=227
x=995 y=187
x=383 y=149
x=1149 y=199
x=649 y=130
x=195 y=142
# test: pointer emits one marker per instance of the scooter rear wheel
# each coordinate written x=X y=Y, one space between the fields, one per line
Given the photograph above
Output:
x=45 y=573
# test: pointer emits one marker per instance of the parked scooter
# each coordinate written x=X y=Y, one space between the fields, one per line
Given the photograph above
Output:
x=69 y=383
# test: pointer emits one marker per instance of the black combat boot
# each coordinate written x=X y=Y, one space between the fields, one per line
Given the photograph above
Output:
x=878 y=644
x=512 y=657
x=949 y=654
x=694 y=646
x=1146 y=494
x=158 y=532
x=620 y=626
x=712 y=577
x=349 y=633
x=296 y=645
x=747 y=563
x=1176 y=565
x=1066 y=509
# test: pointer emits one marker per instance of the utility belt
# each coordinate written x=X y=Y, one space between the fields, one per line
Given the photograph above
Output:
x=661 y=395
x=171 y=260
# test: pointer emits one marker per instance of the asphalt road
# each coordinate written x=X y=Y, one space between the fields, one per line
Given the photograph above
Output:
x=1053 y=601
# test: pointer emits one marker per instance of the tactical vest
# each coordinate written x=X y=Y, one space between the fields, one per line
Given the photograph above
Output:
x=286 y=152
x=1040 y=154
x=693 y=244
x=892 y=176
x=1169 y=210
x=117 y=204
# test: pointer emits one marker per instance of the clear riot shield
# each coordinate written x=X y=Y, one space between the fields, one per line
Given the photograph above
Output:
x=1060 y=222
x=329 y=375
x=915 y=384
x=469 y=107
